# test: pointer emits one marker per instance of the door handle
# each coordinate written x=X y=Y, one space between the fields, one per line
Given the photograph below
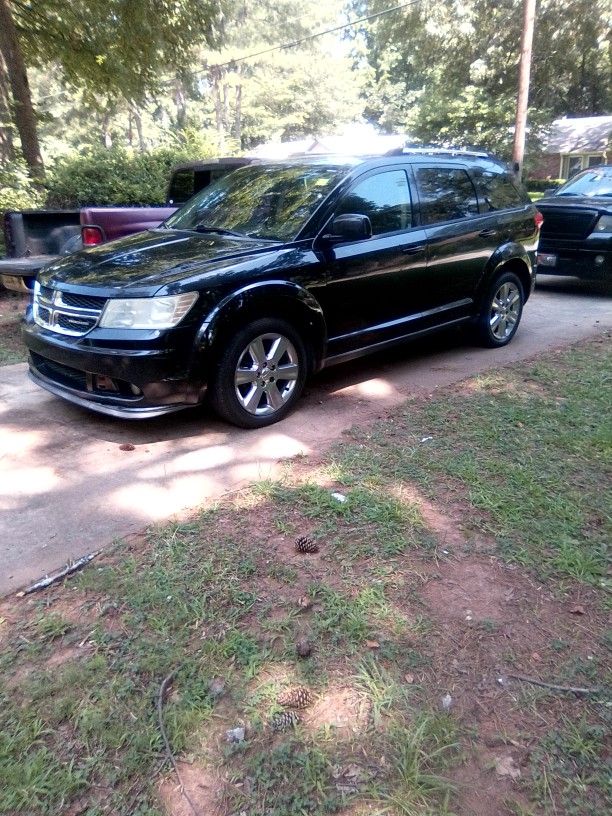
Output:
x=487 y=233
x=414 y=250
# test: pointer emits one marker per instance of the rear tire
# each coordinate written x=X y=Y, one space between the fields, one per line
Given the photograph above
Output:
x=260 y=374
x=501 y=312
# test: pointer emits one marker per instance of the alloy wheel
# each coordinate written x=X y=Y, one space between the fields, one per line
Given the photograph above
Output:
x=266 y=374
x=505 y=310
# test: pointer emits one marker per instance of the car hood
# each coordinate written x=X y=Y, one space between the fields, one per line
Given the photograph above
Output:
x=592 y=202
x=154 y=258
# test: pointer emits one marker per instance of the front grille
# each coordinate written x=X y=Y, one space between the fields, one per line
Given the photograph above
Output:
x=83 y=301
x=571 y=224
x=70 y=323
x=64 y=375
x=64 y=312
x=82 y=380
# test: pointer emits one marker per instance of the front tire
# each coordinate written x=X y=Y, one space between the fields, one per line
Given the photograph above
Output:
x=260 y=374
x=502 y=310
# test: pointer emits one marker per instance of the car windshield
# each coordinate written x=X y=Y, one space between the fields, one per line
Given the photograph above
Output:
x=260 y=201
x=597 y=182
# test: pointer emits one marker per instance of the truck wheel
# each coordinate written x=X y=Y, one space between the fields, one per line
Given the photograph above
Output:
x=260 y=374
x=501 y=312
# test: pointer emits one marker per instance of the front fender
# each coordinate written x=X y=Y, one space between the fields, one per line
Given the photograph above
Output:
x=276 y=298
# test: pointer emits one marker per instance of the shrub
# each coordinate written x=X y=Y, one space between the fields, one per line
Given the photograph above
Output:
x=100 y=176
x=17 y=192
x=541 y=185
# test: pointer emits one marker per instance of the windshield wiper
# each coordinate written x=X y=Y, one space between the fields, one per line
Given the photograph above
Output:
x=218 y=231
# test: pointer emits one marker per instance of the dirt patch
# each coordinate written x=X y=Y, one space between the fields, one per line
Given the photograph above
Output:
x=472 y=591
x=12 y=308
x=342 y=708
x=204 y=787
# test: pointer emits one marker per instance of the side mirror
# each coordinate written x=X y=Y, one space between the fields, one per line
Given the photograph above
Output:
x=349 y=227
x=550 y=191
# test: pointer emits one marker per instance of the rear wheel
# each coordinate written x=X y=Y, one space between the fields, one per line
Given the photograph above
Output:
x=260 y=374
x=502 y=310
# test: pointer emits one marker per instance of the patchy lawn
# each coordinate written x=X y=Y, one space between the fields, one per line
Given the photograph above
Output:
x=12 y=307
x=462 y=557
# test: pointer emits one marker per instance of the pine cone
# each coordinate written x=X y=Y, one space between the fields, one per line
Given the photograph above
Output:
x=285 y=720
x=303 y=647
x=304 y=544
x=296 y=697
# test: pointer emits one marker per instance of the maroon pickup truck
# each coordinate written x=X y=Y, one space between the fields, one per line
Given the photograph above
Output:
x=35 y=238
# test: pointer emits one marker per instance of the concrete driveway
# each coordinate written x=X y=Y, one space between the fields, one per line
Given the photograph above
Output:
x=66 y=487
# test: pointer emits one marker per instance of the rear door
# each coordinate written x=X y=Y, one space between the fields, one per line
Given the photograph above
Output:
x=460 y=240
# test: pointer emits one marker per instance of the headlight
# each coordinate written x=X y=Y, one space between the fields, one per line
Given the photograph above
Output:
x=604 y=224
x=147 y=313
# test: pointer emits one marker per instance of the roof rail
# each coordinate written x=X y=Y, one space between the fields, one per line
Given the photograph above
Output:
x=447 y=151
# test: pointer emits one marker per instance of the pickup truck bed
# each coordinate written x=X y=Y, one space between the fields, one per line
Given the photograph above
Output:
x=36 y=238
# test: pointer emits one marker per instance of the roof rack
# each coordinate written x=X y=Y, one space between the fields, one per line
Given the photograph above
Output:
x=447 y=151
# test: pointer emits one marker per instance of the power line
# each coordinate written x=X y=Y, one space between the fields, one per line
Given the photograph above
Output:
x=294 y=43
x=284 y=46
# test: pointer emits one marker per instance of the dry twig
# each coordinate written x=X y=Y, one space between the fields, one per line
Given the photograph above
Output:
x=162 y=728
x=553 y=686
x=71 y=567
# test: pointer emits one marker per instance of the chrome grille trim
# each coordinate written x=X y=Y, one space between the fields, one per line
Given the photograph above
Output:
x=52 y=312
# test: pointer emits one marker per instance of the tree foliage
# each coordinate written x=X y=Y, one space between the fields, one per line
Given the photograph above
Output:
x=448 y=69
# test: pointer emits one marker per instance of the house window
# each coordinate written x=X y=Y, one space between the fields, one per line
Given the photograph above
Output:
x=570 y=165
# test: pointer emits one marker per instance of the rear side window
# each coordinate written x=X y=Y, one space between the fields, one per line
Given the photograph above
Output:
x=384 y=198
x=498 y=192
x=446 y=194
x=181 y=187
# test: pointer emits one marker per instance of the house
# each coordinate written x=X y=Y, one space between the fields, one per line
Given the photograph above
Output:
x=575 y=144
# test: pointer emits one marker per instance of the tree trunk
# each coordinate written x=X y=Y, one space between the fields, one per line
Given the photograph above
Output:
x=7 y=150
x=219 y=121
x=238 y=117
x=138 y=122
x=23 y=110
x=180 y=103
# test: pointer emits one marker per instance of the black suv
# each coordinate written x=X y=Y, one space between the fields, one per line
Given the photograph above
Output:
x=576 y=237
x=278 y=270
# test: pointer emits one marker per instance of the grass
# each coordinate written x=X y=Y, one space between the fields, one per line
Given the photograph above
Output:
x=528 y=453
x=81 y=665
x=12 y=306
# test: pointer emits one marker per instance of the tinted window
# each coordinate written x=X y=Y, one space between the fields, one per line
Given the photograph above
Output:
x=498 y=192
x=446 y=194
x=384 y=198
x=181 y=187
x=262 y=201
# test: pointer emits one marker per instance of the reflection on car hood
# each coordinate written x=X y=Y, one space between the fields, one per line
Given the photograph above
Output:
x=594 y=202
x=151 y=258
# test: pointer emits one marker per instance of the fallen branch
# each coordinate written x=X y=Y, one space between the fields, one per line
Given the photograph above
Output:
x=162 y=728
x=71 y=566
x=553 y=686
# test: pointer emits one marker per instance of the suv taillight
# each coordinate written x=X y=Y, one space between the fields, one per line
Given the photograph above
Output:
x=92 y=236
x=539 y=220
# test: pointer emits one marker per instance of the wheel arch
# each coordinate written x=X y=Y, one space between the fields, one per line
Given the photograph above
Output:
x=282 y=299
x=510 y=258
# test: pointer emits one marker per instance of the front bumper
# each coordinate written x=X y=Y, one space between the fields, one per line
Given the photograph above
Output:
x=588 y=264
x=134 y=383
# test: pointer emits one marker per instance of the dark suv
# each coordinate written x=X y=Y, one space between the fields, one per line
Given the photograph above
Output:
x=278 y=270
x=576 y=236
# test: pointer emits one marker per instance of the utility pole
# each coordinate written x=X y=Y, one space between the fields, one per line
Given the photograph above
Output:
x=529 y=7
